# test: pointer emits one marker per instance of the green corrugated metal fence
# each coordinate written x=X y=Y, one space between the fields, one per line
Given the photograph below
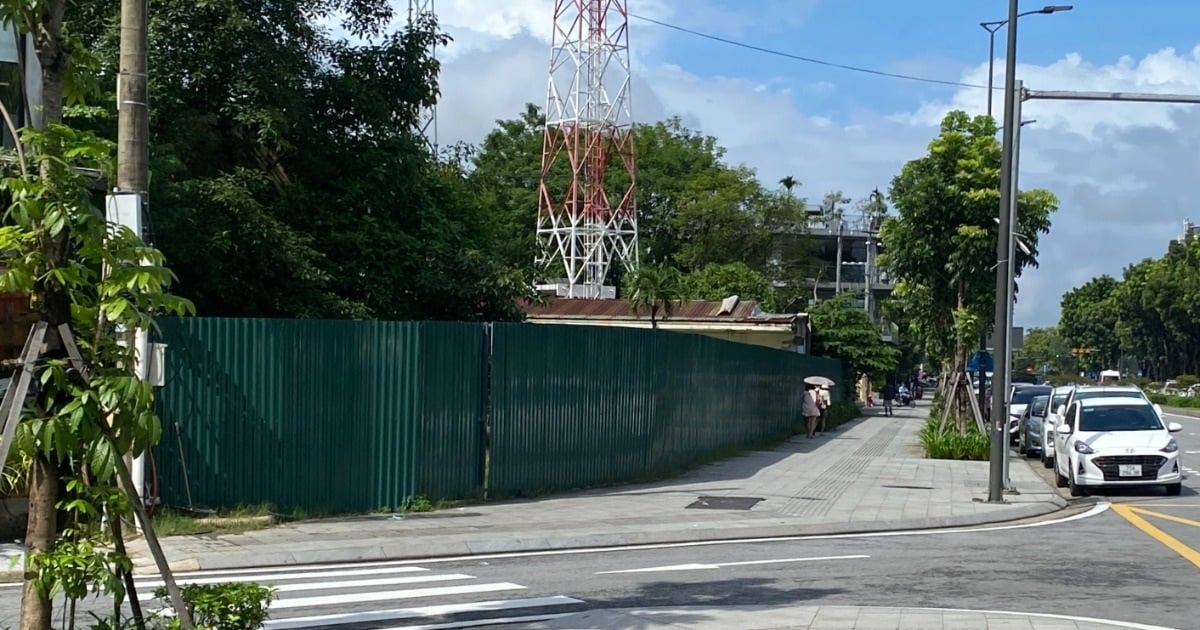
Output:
x=356 y=416
x=576 y=406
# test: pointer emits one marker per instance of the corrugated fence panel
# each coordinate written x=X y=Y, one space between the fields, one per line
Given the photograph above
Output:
x=569 y=406
x=453 y=376
x=575 y=406
x=296 y=413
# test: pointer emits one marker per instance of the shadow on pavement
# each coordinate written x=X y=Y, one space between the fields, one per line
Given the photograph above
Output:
x=711 y=594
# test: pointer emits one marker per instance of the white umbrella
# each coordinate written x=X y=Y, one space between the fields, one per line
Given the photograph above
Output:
x=819 y=380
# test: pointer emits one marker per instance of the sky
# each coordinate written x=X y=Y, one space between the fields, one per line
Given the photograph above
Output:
x=1124 y=172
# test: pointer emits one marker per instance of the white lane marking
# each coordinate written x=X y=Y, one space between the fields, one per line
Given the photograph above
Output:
x=300 y=568
x=481 y=622
x=383 y=596
x=315 y=586
x=1096 y=510
x=1191 y=452
x=1179 y=415
x=422 y=611
x=745 y=563
x=1106 y=622
x=261 y=575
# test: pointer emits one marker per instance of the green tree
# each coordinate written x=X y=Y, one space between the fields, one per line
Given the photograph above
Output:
x=289 y=176
x=941 y=248
x=719 y=281
x=841 y=331
x=1044 y=347
x=654 y=289
x=1088 y=320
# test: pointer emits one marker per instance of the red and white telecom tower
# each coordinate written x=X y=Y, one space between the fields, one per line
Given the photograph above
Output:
x=591 y=221
x=428 y=121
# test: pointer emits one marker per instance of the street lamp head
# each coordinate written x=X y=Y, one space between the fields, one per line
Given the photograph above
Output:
x=1055 y=8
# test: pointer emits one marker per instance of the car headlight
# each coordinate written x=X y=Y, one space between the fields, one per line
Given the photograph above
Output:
x=1171 y=446
x=1082 y=447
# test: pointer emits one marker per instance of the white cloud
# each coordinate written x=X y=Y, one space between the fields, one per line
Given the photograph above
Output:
x=1123 y=172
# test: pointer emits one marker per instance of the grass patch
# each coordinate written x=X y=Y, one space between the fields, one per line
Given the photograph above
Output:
x=181 y=522
x=1180 y=402
x=948 y=443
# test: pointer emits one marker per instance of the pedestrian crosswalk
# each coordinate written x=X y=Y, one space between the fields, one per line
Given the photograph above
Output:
x=386 y=595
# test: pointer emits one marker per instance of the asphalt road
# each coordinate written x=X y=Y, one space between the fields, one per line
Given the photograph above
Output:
x=1137 y=561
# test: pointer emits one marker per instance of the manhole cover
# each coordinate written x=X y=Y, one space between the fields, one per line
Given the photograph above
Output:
x=902 y=487
x=724 y=503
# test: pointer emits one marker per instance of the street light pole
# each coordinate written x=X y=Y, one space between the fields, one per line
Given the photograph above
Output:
x=992 y=27
x=1011 y=267
x=999 y=433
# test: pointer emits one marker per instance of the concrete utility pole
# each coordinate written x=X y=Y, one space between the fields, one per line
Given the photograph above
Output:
x=125 y=205
x=1000 y=332
x=133 y=114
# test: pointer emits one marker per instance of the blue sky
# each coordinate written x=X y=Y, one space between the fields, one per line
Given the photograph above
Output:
x=1124 y=173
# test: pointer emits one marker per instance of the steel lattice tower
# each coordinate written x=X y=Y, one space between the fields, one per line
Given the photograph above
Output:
x=587 y=220
x=428 y=124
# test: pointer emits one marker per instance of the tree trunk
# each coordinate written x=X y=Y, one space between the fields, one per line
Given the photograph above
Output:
x=40 y=534
x=54 y=306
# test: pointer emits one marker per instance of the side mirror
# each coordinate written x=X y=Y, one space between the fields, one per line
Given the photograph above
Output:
x=1063 y=429
x=1158 y=409
x=1174 y=427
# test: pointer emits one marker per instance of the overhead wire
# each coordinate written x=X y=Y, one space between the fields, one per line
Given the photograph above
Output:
x=802 y=58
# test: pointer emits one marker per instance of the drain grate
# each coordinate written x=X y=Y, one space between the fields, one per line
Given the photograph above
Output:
x=724 y=503
x=903 y=487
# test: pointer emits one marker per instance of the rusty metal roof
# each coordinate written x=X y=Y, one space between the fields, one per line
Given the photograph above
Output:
x=745 y=311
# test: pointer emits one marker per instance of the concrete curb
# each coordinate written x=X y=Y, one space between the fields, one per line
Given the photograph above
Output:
x=422 y=548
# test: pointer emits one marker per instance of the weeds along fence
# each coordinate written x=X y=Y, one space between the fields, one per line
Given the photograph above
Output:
x=346 y=416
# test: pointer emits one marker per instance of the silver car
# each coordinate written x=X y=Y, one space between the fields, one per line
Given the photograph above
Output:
x=1031 y=439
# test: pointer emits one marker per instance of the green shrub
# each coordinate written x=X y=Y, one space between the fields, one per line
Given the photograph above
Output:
x=950 y=444
x=1184 y=381
x=1166 y=400
x=841 y=412
x=228 y=606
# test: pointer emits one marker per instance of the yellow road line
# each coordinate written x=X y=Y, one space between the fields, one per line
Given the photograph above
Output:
x=1161 y=505
x=1132 y=515
x=1169 y=517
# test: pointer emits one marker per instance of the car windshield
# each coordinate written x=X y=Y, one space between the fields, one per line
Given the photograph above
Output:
x=1118 y=418
x=1037 y=407
x=1099 y=393
x=1023 y=395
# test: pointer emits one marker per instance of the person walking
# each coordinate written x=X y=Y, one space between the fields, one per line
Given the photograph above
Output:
x=888 y=394
x=810 y=408
x=823 y=401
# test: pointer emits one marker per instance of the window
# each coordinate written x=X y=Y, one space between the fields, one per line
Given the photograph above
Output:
x=1057 y=402
x=1038 y=406
x=1025 y=395
x=1118 y=418
x=1070 y=419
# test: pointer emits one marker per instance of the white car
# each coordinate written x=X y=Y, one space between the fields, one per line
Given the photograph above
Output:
x=1058 y=406
x=1085 y=392
x=1116 y=441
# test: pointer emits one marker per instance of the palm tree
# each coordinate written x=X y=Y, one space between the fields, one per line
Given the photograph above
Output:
x=788 y=182
x=656 y=289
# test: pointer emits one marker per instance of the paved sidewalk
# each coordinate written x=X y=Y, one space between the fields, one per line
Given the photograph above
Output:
x=825 y=618
x=868 y=475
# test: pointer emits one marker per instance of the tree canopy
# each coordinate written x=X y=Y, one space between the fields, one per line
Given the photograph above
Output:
x=941 y=247
x=1151 y=316
x=841 y=331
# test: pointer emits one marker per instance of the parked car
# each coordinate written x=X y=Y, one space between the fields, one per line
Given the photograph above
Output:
x=1116 y=441
x=1019 y=396
x=1058 y=407
x=1032 y=439
x=1085 y=392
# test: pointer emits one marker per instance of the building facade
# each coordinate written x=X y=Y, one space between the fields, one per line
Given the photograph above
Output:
x=848 y=246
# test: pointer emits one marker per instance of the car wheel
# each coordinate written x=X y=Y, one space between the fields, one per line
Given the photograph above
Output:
x=1059 y=480
x=1076 y=489
x=1021 y=448
x=1173 y=489
x=1047 y=462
